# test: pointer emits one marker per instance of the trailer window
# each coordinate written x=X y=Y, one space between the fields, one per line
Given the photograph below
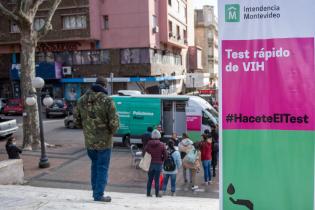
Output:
x=213 y=112
x=180 y=106
x=205 y=119
x=167 y=106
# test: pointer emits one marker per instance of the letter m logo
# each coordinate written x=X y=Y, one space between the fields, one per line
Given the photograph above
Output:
x=232 y=13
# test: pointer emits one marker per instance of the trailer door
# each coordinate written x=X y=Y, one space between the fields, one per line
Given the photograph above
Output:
x=174 y=116
x=180 y=117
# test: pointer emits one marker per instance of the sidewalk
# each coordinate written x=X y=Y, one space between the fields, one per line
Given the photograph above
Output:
x=29 y=198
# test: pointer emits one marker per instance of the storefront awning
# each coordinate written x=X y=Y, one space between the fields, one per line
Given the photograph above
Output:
x=123 y=79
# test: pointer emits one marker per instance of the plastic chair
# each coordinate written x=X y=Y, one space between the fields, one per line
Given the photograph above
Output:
x=136 y=156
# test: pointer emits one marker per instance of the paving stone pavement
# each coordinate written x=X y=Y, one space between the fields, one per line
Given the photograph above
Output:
x=70 y=166
x=39 y=198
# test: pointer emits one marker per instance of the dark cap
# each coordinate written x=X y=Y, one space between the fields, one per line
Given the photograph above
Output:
x=101 y=81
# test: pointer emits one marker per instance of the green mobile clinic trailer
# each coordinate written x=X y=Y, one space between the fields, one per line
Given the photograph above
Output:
x=136 y=113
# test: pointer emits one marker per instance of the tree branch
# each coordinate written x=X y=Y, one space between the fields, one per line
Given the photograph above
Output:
x=8 y=13
x=43 y=31
x=36 y=4
x=20 y=12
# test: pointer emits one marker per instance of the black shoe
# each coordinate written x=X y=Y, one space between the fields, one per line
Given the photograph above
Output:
x=149 y=195
x=214 y=174
x=158 y=196
x=105 y=199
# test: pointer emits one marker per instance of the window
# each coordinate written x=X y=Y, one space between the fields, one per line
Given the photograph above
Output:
x=154 y=21
x=104 y=56
x=170 y=28
x=213 y=112
x=170 y=2
x=38 y=23
x=182 y=12
x=14 y=28
x=106 y=22
x=40 y=57
x=158 y=57
x=178 y=32
x=176 y=6
x=64 y=58
x=95 y=57
x=180 y=106
x=206 y=119
x=134 y=56
x=74 y=22
x=130 y=56
x=76 y=58
x=86 y=58
x=185 y=35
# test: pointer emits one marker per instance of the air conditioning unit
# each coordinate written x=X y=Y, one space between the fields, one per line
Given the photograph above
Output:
x=156 y=29
x=170 y=34
x=185 y=41
x=178 y=38
x=66 y=70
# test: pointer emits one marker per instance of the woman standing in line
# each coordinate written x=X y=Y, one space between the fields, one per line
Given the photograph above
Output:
x=158 y=153
x=206 y=157
x=171 y=166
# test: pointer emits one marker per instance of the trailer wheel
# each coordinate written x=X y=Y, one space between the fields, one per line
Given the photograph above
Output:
x=126 y=141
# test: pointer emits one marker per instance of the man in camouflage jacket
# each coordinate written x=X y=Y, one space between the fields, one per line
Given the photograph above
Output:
x=96 y=114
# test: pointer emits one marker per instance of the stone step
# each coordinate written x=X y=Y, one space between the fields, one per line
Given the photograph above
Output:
x=28 y=198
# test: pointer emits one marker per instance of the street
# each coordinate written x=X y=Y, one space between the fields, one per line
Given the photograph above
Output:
x=70 y=166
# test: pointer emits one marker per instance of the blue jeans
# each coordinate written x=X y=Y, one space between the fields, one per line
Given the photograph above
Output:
x=207 y=170
x=173 y=182
x=99 y=171
x=154 y=173
x=185 y=174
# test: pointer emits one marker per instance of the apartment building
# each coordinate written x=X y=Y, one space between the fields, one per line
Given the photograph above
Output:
x=142 y=44
x=206 y=37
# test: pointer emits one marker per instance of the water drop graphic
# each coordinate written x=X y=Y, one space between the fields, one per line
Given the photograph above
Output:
x=231 y=189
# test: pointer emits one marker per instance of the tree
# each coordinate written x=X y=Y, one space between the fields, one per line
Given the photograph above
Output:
x=23 y=14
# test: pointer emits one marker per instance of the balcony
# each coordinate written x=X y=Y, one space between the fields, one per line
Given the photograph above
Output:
x=177 y=40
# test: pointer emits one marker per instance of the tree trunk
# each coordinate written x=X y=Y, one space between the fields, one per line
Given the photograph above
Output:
x=30 y=117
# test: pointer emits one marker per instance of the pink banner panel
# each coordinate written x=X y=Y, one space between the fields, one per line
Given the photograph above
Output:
x=193 y=123
x=267 y=84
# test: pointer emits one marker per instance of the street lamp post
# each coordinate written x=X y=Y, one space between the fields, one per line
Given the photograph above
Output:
x=38 y=83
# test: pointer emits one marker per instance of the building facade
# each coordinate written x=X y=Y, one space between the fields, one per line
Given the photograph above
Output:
x=206 y=37
x=142 y=44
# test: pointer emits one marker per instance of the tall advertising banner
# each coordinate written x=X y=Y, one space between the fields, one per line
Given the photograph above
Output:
x=267 y=104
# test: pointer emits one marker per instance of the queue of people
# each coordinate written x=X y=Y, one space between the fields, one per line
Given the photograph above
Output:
x=96 y=114
x=169 y=156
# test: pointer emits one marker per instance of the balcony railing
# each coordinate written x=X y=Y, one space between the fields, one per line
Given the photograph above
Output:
x=75 y=57
x=127 y=56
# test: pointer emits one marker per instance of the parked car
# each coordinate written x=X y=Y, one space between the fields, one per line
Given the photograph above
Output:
x=7 y=127
x=58 y=108
x=3 y=102
x=13 y=106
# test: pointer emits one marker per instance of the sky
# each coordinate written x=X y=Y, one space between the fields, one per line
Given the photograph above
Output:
x=199 y=3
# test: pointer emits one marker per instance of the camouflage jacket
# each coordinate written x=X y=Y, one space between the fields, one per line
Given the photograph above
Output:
x=96 y=114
